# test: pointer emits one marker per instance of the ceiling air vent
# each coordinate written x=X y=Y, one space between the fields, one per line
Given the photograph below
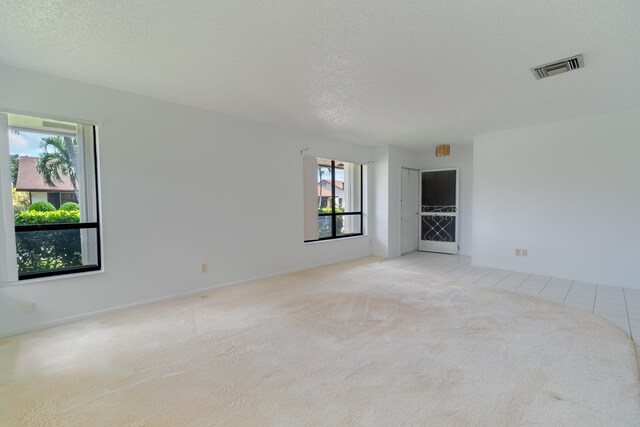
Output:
x=558 y=67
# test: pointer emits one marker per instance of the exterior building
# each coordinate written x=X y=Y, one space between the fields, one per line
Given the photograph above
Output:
x=324 y=193
x=31 y=181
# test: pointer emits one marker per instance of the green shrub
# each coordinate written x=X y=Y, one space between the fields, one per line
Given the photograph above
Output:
x=324 y=222
x=69 y=206
x=44 y=250
x=31 y=217
x=42 y=207
x=48 y=250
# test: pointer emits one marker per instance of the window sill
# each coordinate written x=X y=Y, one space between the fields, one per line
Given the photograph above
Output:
x=50 y=278
x=315 y=242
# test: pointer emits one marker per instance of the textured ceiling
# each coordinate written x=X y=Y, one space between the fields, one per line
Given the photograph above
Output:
x=374 y=72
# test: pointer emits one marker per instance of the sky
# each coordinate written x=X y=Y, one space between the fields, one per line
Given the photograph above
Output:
x=25 y=143
x=327 y=174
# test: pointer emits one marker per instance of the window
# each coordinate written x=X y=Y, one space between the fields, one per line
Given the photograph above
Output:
x=49 y=221
x=333 y=199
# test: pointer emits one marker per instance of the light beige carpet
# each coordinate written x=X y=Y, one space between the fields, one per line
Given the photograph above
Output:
x=352 y=344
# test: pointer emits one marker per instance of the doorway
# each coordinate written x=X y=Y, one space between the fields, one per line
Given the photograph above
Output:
x=409 y=210
x=439 y=211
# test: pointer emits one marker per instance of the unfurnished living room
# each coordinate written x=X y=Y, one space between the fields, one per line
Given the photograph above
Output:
x=319 y=213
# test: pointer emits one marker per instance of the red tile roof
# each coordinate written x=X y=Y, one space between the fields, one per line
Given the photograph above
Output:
x=324 y=192
x=30 y=180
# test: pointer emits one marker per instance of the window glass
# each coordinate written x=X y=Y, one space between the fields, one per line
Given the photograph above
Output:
x=348 y=224
x=337 y=191
x=53 y=250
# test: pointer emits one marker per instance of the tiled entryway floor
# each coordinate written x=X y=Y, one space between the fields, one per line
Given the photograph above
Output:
x=618 y=305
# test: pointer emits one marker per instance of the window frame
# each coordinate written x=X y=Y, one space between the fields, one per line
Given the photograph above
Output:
x=93 y=225
x=333 y=214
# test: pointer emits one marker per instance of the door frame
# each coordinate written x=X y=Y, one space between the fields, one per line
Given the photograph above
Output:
x=444 y=245
x=418 y=207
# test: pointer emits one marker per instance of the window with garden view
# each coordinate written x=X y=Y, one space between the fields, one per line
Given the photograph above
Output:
x=49 y=198
x=333 y=199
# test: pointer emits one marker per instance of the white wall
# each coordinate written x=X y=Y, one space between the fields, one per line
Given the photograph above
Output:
x=387 y=178
x=180 y=186
x=461 y=157
x=569 y=192
x=380 y=202
x=39 y=197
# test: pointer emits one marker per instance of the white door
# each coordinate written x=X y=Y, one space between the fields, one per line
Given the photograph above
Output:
x=439 y=211
x=409 y=202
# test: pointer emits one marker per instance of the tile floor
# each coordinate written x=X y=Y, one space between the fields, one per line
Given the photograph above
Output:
x=618 y=305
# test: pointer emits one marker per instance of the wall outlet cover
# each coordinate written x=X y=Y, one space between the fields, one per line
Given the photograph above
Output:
x=26 y=306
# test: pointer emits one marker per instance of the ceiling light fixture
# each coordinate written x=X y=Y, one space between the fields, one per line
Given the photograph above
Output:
x=443 y=150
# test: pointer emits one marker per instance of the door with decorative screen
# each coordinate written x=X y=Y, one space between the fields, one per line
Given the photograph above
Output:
x=439 y=211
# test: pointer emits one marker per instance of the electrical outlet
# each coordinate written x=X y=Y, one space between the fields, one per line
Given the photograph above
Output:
x=26 y=306
x=518 y=252
x=203 y=268
x=525 y=252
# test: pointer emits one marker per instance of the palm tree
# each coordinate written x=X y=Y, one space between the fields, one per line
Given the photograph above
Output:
x=59 y=156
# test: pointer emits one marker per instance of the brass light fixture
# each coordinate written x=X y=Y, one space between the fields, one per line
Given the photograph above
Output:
x=443 y=150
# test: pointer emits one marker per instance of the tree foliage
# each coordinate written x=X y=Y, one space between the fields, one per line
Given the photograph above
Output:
x=15 y=164
x=324 y=222
x=20 y=200
x=58 y=158
x=47 y=249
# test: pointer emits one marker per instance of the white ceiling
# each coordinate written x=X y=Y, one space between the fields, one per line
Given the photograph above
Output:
x=374 y=72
